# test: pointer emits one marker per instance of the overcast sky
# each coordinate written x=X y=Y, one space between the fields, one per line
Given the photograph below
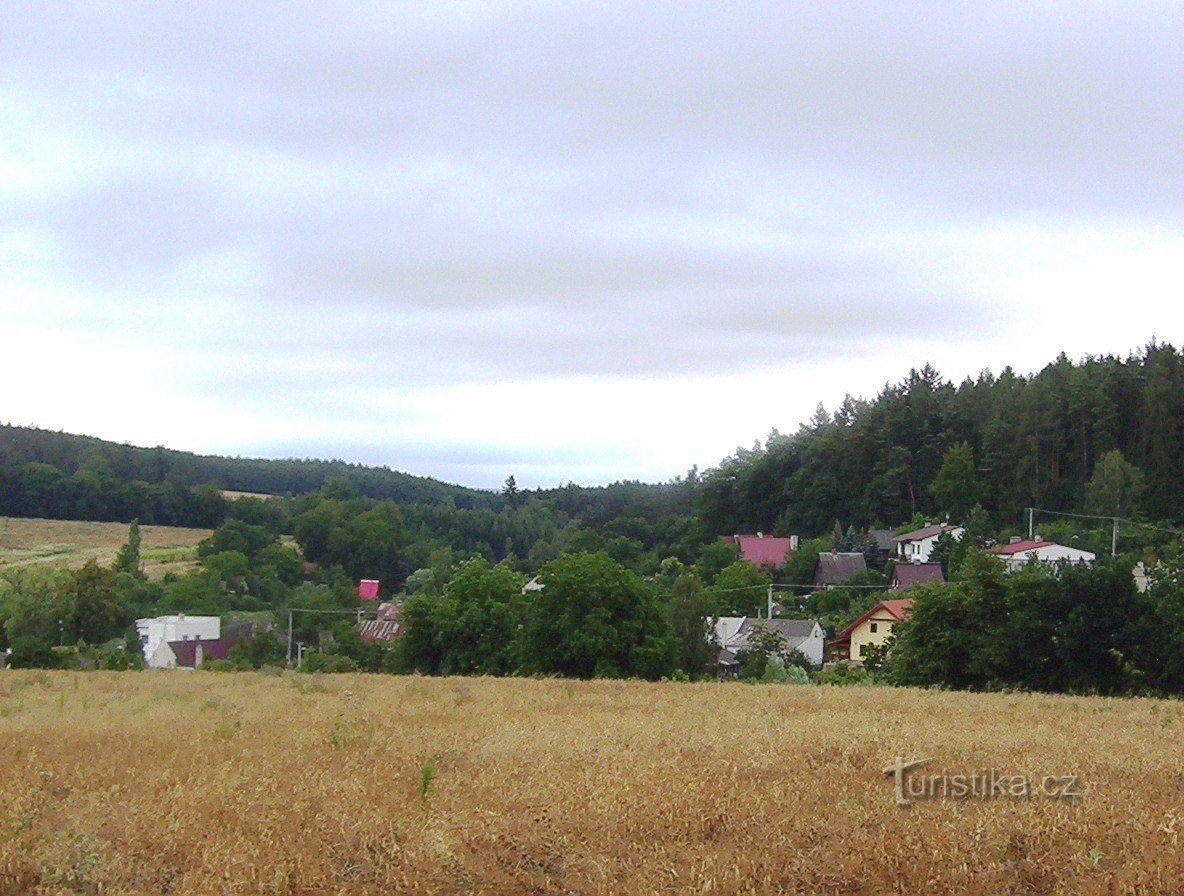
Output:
x=567 y=241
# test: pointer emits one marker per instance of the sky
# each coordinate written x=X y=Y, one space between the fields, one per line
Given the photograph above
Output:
x=567 y=241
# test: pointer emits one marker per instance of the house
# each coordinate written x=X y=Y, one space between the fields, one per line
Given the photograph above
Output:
x=155 y=632
x=906 y=575
x=367 y=589
x=916 y=546
x=871 y=628
x=533 y=585
x=802 y=635
x=763 y=550
x=1019 y=552
x=386 y=625
x=190 y=654
x=836 y=567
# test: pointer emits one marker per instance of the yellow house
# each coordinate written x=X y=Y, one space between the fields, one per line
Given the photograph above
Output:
x=872 y=628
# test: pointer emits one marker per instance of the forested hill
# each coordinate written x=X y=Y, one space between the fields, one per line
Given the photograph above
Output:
x=1104 y=435
x=57 y=474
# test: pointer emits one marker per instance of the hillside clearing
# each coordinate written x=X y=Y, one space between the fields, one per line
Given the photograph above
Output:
x=250 y=783
x=70 y=543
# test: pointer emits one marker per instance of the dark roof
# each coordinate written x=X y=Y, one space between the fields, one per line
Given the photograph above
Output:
x=905 y=575
x=835 y=567
x=794 y=631
x=211 y=649
x=882 y=537
x=926 y=532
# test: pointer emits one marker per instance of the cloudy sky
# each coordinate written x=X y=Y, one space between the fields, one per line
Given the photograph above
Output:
x=567 y=241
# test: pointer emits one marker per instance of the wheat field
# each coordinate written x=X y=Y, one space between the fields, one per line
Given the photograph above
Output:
x=70 y=543
x=191 y=783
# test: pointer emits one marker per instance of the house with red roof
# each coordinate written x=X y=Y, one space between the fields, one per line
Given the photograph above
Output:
x=872 y=628
x=1020 y=551
x=764 y=550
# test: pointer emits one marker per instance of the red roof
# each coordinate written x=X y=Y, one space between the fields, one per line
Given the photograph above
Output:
x=898 y=608
x=368 y=589
x=211 y=649
x=762 y=550
x=1018 y=547
x=905 y=575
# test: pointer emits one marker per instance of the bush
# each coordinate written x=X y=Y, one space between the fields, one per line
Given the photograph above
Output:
x=316 y=661
x=842 y=673
x=777 y=672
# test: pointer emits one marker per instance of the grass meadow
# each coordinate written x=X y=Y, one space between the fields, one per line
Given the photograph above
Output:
x=70 y=543
x=297 y=784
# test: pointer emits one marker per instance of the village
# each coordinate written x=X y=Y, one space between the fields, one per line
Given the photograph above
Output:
x=186 y=642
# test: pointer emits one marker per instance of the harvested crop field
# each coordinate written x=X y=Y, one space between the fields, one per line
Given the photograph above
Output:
x=252 y=783
x=70 y=543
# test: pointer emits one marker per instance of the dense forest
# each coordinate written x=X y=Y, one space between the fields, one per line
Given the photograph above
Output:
x=1029 y=441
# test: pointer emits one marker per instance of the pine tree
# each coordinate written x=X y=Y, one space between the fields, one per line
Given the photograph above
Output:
x=128 y=558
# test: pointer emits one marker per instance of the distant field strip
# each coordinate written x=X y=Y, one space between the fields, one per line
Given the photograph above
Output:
x=70 y=543
x=286 y=784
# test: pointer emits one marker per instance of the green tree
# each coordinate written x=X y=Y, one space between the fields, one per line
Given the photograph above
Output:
x=128 y=559
x=691 y=618
x=592 y=618
x=740 y=590
x=1115 y=488
x=956 y=488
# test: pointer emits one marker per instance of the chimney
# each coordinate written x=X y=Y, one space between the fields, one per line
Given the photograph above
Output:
x=794 y=541
x=1015 y=539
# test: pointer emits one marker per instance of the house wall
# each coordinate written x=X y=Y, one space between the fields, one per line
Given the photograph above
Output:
x=154 y=632
x=863 y=634
x=814 y=646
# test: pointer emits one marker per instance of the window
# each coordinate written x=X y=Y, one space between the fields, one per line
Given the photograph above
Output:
x=873 y=625
x=863 y=650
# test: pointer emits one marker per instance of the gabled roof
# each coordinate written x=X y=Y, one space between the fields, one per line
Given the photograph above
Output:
x=898 y=609
x=836 y=567
x=1018 y=547
x=882 y=537
x=211 y=649
x=905 y=575
x=762 y=550
x=926 y=532
x=794 y=631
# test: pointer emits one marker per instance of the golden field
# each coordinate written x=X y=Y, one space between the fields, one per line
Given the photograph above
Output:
x=251 y=783
x=70 y=543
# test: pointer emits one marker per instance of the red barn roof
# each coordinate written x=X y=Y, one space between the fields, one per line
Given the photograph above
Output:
x=762 y=550
x=368 y=589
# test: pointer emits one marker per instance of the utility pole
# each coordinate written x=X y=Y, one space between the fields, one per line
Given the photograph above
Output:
x=1114 y=539
x=289 y=637
x=770 y=601
x=1031 y=522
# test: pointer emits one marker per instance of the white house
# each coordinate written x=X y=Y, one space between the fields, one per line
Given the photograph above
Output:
x=155 y=634
x=803 y=635
x=1020 y=551
x=916 y=546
